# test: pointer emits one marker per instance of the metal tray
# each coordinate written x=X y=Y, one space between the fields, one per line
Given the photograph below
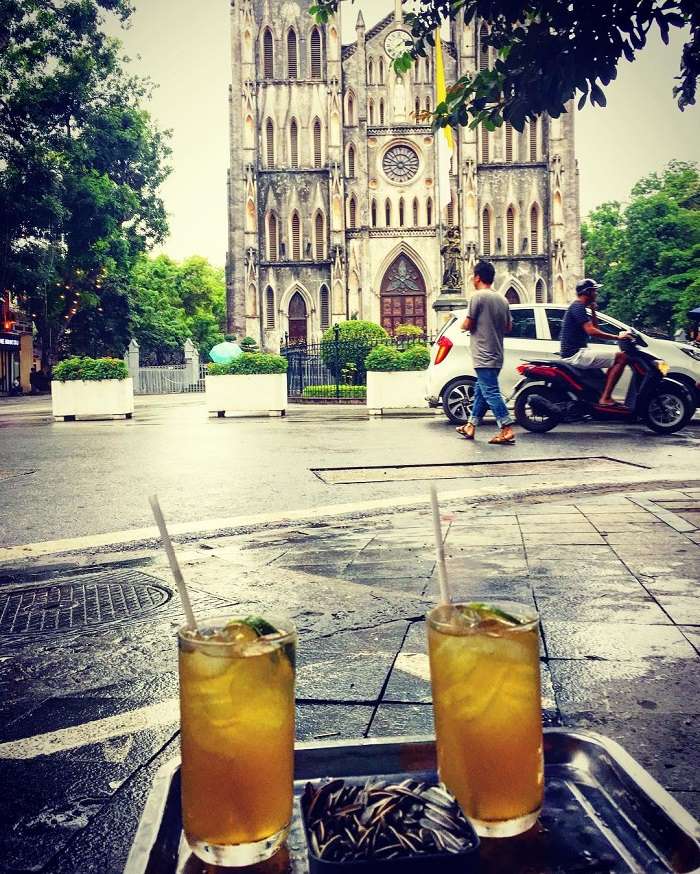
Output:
x=603 y=813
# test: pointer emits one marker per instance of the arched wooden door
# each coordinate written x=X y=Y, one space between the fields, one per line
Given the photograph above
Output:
x=402 y=295
x=297 y=319
x=512 y=295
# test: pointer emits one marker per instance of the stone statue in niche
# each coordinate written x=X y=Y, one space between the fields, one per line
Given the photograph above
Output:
x=399 y=106
x=451 y=256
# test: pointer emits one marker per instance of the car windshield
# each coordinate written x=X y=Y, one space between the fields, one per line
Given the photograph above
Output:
x=448 y=324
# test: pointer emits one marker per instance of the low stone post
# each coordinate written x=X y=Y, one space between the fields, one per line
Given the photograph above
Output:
x=191 y=363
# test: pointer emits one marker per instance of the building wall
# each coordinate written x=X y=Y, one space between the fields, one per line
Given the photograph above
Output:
x=363 y=107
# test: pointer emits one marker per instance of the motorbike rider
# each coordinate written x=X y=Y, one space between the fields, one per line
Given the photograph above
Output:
x=577 y=326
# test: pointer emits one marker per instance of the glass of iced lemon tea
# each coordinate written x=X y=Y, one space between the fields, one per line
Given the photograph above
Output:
x=237 y=737
x=485 y=676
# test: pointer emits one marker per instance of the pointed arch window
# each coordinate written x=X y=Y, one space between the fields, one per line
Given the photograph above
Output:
x=510 y=231
x=415 y=212
x=417 y=112
x=296 y=237
x=451 y=209
x=268 y=54
x=269 y=308
x=486 y=232
x=370 y=72
x=509 y=143
x=352 y=212
x=381 y=71
x=315 y=54
x=485 y=155
x=294 y=144
x=371 y=112
x=373 y=211
x=533 y=139
x=483 y=48
x=534 y=230
x=381 y=112
x=402 y=211
x=320 y=233
x=427 y=69
x=351 y=161
x=539 y=292
x=292 y=54
x=272 y=237
x=387 y=213
x=351 y=109
x=427 y=104
x=317 y=143
x=325 y=307
x=429 y=211
x=270 y=143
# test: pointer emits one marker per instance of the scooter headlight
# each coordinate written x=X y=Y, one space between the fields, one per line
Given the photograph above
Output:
x=662 y=366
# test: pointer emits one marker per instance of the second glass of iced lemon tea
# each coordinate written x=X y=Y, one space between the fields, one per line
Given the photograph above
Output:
x=237 y=737
x=485 y=676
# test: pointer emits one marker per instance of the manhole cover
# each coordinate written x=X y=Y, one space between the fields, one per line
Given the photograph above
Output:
x=79 y=603
x=468 y=470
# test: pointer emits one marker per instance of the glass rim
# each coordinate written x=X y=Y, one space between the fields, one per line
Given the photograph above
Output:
x=531 y=615
x=281 y=623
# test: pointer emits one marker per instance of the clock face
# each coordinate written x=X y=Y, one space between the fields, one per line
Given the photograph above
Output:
x=395 y=43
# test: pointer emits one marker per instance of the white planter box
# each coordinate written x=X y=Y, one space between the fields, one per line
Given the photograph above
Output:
x=100 y=398
x=396 y=390
x=241 y=394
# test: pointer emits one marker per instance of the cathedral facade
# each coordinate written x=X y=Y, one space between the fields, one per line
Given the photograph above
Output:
x=333 y=197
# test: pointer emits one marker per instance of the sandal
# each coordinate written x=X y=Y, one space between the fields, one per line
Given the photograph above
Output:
x=467 y=431
x=503 y=438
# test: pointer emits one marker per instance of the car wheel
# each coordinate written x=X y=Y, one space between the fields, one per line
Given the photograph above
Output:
x=457 y=400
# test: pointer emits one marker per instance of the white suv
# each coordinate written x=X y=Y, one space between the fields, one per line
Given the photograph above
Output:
x=535 y=334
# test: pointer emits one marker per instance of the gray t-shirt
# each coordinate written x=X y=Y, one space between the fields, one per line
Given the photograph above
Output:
x=490 y=315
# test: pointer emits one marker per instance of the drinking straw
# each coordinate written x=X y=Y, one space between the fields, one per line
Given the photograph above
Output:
x=174 y=565
x=445 y=598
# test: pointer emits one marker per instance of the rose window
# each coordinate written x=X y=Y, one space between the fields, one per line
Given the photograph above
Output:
x=400 y=163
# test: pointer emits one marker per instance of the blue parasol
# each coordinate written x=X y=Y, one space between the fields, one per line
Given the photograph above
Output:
x=226 y=351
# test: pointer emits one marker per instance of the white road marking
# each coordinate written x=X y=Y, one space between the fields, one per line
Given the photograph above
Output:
x=165 y=713
x=486 y=487
x=415 y=664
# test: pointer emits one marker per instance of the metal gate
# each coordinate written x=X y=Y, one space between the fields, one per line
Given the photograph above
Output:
x=169 y=379
x=332 y=371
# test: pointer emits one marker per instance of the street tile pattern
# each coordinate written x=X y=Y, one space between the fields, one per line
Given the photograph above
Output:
x=614 y=577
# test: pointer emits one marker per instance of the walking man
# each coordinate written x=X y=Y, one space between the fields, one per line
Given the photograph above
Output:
x=488 y=319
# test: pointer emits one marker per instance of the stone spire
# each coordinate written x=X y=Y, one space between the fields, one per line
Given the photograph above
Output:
x=398 y=10
x=360 y=23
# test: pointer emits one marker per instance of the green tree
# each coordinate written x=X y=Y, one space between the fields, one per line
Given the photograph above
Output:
x=546 y=52
x=647 y=254
x=81 y=163
x=171 y=302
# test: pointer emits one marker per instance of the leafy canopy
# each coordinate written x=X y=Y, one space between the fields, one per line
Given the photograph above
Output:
x=546 y=51
x=647 y=253
x=81 y=163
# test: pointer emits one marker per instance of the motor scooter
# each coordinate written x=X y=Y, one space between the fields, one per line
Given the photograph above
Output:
x=553 y=392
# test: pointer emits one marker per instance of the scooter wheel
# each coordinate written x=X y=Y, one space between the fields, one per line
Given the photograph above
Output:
x=530 y=419
x=667 y=411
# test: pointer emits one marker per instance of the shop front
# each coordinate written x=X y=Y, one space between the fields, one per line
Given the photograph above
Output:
x=9 y=360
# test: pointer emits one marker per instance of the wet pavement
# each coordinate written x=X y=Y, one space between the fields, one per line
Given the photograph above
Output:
x=90 y=714
x=93 y=476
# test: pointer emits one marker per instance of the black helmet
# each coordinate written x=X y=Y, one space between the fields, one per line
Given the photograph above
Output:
x=586 y=285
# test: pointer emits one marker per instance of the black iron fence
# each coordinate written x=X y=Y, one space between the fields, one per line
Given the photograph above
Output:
x=333 y=371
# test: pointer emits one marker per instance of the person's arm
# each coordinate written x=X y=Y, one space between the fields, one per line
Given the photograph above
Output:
x=467 y=324
x=593 y=331
x=470 y=322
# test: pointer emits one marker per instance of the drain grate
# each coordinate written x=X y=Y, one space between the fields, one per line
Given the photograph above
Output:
x=465 y=470
x=79 y=603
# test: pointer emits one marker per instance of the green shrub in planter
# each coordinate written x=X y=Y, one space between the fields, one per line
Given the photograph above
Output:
x=390 y=359
x=329 y=391
x=407 y=332
x=356 y=341
x=91 y=369
x=248 y=344
x=250 y=363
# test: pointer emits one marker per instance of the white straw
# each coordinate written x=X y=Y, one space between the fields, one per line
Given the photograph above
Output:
x=439 y=548
x=172 y=558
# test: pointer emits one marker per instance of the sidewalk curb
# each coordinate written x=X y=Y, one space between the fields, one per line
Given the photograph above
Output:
x=144 y=539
